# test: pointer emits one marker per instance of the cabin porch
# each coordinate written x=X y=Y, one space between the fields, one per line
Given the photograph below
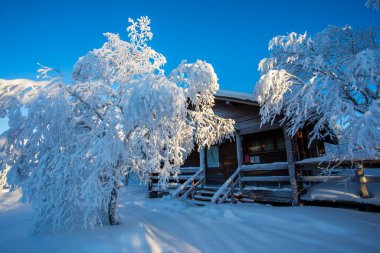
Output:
x=254 y=164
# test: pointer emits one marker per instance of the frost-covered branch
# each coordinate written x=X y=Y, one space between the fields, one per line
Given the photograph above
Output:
x=329 y=80
x=375 y=4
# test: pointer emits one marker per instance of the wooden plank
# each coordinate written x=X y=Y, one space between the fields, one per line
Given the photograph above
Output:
x=260 y=188
x=202 y=162
x=239 y=149
x=267 y=199
x=189 y=170
x=179 y=177
x=265 y=166
x=325 y=178
x=263 y=194
x=246 y=116
x=322 y=161
x=336 y=178
x=251 y=130
x=371 y=178
x=266 y=179
x=169 y=185
x=202 y=197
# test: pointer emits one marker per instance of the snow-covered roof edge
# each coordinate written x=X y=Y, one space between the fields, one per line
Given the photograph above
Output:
x=235 y=96
x=357 y=156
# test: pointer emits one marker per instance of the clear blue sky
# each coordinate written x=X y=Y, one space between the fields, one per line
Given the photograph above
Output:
x=231 y=35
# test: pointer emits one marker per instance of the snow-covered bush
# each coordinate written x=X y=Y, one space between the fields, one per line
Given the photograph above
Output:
x=68 y=145
x=331 y=80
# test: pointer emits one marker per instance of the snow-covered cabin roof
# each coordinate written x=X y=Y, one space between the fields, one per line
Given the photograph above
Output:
x=236 y=96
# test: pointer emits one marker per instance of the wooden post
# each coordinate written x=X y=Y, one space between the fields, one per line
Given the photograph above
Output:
x=202 y=162
x=239 y=150
x=291 y=168
x=233 y=201
x=239 y=153
x=192 y=191
x=361 y=180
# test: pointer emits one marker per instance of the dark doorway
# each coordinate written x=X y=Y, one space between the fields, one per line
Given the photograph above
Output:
x=221 y=162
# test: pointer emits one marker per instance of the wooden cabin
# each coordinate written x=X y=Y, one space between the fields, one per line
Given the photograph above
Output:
x=263 y=164
x=264 y=156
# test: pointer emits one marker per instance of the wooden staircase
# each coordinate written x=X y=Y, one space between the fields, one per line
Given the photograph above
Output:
x=204 y=195
x=156 y=190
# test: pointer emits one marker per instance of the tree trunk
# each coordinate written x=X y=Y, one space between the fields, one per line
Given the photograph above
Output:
x=361 y=180
x=112 y=207
x=113 y=200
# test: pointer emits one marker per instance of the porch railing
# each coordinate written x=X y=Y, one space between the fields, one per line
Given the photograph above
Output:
x=227 y=189
x=198 y=176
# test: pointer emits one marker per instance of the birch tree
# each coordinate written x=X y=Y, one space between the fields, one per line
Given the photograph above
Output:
x=330 y=80
x=68 y=145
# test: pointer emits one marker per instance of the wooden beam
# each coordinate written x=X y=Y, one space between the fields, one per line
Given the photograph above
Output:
x=336 y=178
x=291 y=168
x=239 y=149
x=265 y=166
x=266 y=179
x=202 y=162
x=324 y=178
x=239 y=155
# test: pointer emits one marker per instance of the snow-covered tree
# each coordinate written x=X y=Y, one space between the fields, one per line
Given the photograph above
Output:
x=331 y=81
x=375 y=4
x=68 y=145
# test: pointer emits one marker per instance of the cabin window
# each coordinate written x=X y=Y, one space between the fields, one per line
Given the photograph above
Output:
x=264 y=147
x=213 y=157
x=254 y=159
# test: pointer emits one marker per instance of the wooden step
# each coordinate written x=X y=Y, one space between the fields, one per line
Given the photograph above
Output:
x=211 y=187
x=189 y=170
x=206 y=192
x=179 y=177
x=169 y=186
x=202 y=197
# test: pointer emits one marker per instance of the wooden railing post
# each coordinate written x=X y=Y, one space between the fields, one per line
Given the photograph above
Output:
x=192 y=191
x=202 y=162
x=239 y=154
x=291 y=168
x=232 y=192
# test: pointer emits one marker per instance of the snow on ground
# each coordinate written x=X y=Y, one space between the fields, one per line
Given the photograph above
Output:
x=159 y=225
x=343 y=191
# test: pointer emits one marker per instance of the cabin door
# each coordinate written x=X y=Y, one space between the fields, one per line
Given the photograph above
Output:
x=221 y=163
